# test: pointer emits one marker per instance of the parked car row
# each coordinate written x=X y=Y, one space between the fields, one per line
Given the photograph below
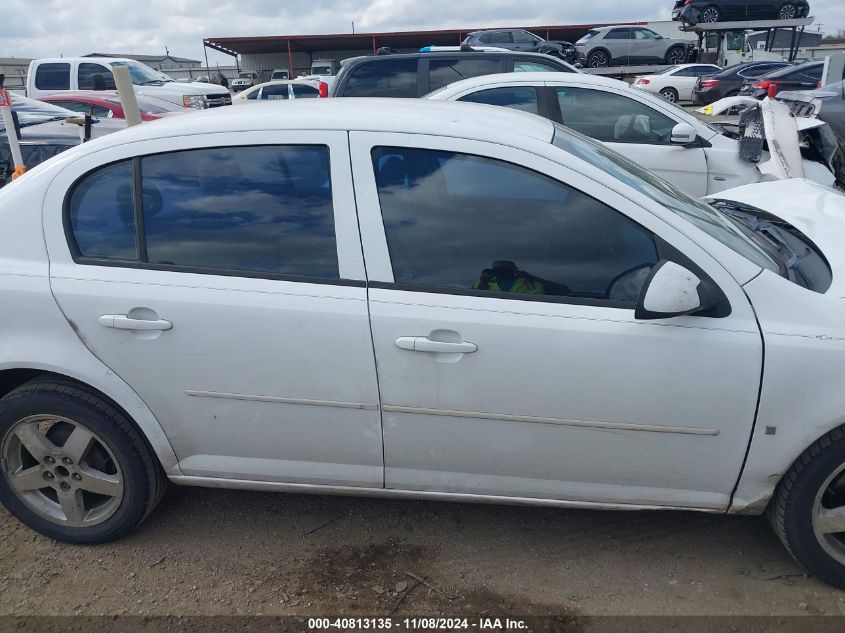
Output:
x=710 y=11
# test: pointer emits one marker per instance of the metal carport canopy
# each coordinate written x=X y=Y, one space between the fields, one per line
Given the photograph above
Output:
x=359 y=41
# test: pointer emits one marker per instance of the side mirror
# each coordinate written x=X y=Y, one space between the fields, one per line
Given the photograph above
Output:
x=684 y=134
x=672 y=291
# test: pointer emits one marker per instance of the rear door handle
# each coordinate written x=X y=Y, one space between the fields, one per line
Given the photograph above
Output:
x=425 y=344
x=125 y=322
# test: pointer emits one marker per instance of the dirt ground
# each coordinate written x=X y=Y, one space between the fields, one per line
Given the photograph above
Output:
x=228 y=552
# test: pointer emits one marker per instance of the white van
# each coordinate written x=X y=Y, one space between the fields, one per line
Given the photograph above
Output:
x=62 y=74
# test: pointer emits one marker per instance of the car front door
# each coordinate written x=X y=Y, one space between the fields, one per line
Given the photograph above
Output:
x=636 y=130
x=646 y=46
x=510 y=362
x=237 y=310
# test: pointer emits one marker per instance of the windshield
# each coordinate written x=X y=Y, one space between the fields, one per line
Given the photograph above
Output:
x=590 y=35
x=32 y=112
x=694 y=211
x=143 y=75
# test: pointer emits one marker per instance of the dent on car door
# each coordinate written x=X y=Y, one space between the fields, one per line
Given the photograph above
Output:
x=636 y=130
x=238 y=312
x=510 y=362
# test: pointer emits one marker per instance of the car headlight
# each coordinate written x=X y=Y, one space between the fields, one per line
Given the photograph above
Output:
x=195 y=101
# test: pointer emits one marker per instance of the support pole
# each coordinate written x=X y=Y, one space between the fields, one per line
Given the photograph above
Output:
x=126 y=92
x=207 y=67
x=291 y=69
x=11 y=129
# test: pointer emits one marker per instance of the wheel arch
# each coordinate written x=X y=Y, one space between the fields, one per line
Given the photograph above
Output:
x=758 y=503
x=111 y=389
x=600 y=49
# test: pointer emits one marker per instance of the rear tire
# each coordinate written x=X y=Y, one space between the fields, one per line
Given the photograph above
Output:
x=789 y=11
x=710 y=14
x=598 y=59
x=808 y=509
x=100 y=478
x=670 y=94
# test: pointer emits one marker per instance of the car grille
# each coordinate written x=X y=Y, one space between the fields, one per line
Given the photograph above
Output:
x=218 y=100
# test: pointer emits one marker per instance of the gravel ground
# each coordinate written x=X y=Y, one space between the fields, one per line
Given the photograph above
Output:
x=230 y=552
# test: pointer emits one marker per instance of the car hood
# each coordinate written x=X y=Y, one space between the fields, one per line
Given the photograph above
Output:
x=180 y=88
x=815 y=210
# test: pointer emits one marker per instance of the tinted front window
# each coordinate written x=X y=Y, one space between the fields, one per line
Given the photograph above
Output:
x=694 y=211
x=254 y=209
x=386 y=78
x=612 y=118
x=53 y=77
x=524 y=99
x=456 y=221
x=101 y=214
x=88 y=72
x=443 y=72
x=521 y=37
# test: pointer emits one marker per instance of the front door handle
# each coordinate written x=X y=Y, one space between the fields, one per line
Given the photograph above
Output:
x=125 y=322
x=425 y=344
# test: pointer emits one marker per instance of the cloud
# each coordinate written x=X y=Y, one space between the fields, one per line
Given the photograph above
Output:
x=59 y=28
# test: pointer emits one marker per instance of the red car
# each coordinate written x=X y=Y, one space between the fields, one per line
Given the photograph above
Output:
x=105 y=104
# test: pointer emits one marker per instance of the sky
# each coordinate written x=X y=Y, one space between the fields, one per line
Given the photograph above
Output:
x=51 y=28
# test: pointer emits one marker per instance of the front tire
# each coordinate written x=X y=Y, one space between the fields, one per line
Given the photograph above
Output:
x=670 y=94
x=598 y=59
x=73 y=467
x=808 y=510
x=675 y=56
x=789 y=11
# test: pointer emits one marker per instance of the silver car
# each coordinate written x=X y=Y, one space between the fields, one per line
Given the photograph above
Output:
x=622 y=45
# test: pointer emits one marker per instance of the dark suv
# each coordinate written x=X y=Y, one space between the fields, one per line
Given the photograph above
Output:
x=416 y=74
x=694 y=11
x=523 y=41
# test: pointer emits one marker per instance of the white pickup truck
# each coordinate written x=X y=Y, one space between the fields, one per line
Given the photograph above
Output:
x=63 y=74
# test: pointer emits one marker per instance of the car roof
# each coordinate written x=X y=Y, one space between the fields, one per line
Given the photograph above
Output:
x=533 y=78
x=450 y=54
x=790 y=69
x=407 y=116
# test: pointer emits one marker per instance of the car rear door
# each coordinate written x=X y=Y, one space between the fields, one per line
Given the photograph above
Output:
x=618 y=43
x=510 y=362
x=237 y=310
x=635 y=129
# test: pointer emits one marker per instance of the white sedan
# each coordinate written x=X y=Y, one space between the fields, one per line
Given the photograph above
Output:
x=698 y=157
x=420 y=300
x=676 y=83
x=282 y=90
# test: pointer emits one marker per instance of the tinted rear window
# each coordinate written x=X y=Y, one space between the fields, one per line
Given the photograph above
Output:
x=53 y=77
x=383 y=78
x=443 y=72
x=255 y=209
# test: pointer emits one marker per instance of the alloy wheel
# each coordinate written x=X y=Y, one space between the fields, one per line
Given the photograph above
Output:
x=599 y=60
x=788 y=12
x=676 y=56
x=669 y=95
x=62 y=470
x=710 y=14
x=829 y=515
